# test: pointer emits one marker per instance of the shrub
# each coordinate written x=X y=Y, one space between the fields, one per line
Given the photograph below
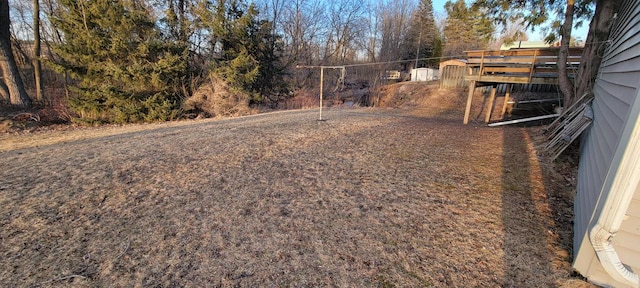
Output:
x=216 y=98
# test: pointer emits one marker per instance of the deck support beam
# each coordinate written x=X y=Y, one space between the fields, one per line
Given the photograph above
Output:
x=467 y=111
x=507 y=95
x=492 y=98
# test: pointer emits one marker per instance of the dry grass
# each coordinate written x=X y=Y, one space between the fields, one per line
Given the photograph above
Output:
x=370 y=198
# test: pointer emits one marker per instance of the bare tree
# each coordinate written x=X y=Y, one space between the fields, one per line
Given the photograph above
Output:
x=370 y=43
x=10 y=73
x=4 y=92
x=394 y=17
x=346 y=24
x=37 y=67
x=302 y=23
x=273 y=9
x=512 y=32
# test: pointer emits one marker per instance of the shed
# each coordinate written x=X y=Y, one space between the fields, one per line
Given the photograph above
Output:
x=453 y=62
x=424 y=74
x=452 y=73
x=607 y=204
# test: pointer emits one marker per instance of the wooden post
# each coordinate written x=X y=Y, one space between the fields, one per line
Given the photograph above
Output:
x=492 y=98
x=321 y=82
x=467 y=111
x=533 y=65
x=507 y=95
x=481 y=71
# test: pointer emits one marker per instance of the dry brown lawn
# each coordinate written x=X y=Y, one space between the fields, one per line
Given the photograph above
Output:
x=373 y=197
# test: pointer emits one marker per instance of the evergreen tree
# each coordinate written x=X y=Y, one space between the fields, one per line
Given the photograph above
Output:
x=247 y=54
x=124 y=71
x=423 y=37
x=466 y=28
x=268 y=47
x=178 y=25
x=535 y=13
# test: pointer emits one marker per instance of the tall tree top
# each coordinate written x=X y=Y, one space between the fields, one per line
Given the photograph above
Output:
x=548 y=15
x=466 y=28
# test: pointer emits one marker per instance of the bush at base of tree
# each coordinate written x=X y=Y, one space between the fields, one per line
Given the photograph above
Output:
x=112 y=106
x=216 y=98
x=247 y=53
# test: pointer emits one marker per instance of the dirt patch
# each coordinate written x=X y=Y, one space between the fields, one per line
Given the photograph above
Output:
x=379 y=197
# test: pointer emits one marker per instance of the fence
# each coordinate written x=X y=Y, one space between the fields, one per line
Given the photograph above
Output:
x=453 y=77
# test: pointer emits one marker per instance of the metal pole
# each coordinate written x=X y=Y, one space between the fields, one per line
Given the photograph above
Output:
x=321 y=82
x=523 y=120
x=418 y=53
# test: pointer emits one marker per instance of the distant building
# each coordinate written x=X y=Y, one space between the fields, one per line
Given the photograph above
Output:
x=424 y=74
x=391 y=75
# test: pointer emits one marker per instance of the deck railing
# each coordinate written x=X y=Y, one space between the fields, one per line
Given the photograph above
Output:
x=529 y=66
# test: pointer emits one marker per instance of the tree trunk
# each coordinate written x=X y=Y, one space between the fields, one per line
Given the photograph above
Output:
x=595 y=44
x=37 y=67
x=4 y=92
x=566 y=87
x=10 y=74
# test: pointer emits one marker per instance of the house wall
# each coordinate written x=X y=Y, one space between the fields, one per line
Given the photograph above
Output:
x=616 y=90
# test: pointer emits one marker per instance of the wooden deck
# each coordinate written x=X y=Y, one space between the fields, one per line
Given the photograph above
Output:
x=518 y=66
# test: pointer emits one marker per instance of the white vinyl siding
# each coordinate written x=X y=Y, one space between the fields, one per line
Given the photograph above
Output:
x=615 y=91
x=628 y=255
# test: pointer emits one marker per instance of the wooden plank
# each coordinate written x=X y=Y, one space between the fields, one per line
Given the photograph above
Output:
x=492 y=98
x=481 y=65
x=573 y=51
x=546 y=70
x=520 y=60
x=506 y=100
x=513 y=79
x=535 y=55
x=507 y=70
x=483 y=84
x=501 y=60
x=526 y=68
x=467 y=111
